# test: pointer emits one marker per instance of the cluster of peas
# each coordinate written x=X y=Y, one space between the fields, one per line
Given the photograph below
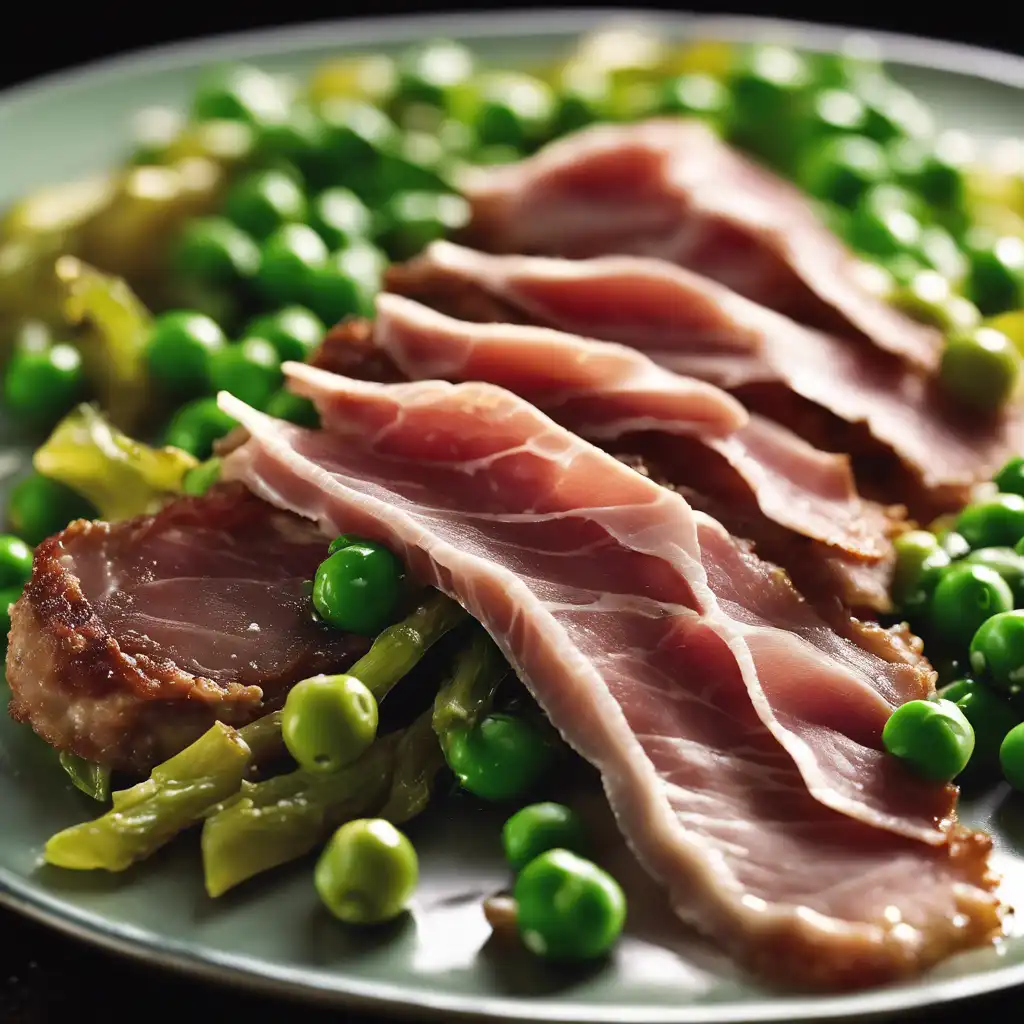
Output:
x=566 y=906
x=963 y=589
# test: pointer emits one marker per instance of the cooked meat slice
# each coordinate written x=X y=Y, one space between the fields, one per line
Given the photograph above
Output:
x=672 y=189
x=737 y=735
x=617 y=398
x=908 y=442
x=131 y=639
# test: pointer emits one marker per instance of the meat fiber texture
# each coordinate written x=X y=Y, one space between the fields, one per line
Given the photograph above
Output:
x=802 y=502
x=736 y=733
x=909 y=443
x=132 y=638
x=672 y=189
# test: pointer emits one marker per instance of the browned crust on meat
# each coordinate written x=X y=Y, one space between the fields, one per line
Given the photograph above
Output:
x=793 y=959
x=71 y=680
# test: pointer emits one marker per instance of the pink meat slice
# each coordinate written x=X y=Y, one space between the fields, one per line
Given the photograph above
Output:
x=607 y=392
x=694 y=326
x=590 y=578
x=672 y=189
x=824 y=701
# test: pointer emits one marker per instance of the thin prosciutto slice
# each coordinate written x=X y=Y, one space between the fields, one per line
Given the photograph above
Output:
x=637 y=624
x=609 y=393
x=672 y=189
x=908 y=444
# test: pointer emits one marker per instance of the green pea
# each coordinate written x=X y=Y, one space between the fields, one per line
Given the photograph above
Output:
x=250 y=370
x=995 y=522
x=1010 y=479
x=884 y=233
x=511 y=109
x=8 y=597
x=39 y=507
x=833 y=112
x=357 y=588
x=240 y=93
x=293 y=408
x=347 y=283
x=15 y=562
x=1011 y=757
x=289 y=260
x=696 y=95
x=328 y=722
x=367 y=872
x=980 y=369
x=997 y=651
x=939 y=171
x=41 y=386
x=883 y=198
x=901 y=269
x=842 y=168
x=264 y=201
x=179 y=349
x=199 y=479
x=912 y=550
x=954 y=544
x=583 y=97
x=933 y=738
x=216 y=252
x=197 y=425
x=340 y=217
x=995 y=275
x=357 y=135
x=917 y=597
x=768 y=85
x=929 y=299
x=432 y=73
x=538 y=828
x=417 y=162
x=415 y=219
x=502 y=757
x=1008 y=563
x=964 y=598
x=990 y=715
x=893 y=113
x=939 y=250
x=294 y=332
x=568 y=908
x=299 y=139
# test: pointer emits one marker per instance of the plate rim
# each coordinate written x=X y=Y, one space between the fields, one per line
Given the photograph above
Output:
x=153 y=949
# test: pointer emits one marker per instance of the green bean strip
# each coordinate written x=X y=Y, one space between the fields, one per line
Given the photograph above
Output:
x=151 y=813
x=399 y=648
x=270 y=823
x=462 y=699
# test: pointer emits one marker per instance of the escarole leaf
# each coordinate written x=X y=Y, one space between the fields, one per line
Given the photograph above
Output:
x=114 y=327
x=120 y=476
x=91 y=779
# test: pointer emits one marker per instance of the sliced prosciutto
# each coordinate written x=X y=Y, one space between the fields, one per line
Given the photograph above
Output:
x=907 y=443
x=618 y=397
x=670 y=659
x=672 y=189
x=132 y=638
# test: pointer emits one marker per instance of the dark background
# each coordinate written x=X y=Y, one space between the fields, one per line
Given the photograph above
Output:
x=40 y=40
x=45 y=978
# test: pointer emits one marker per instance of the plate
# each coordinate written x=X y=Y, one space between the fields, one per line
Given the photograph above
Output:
x=438 y=961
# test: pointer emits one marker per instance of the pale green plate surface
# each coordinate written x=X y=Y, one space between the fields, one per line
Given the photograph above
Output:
x=274 y=934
